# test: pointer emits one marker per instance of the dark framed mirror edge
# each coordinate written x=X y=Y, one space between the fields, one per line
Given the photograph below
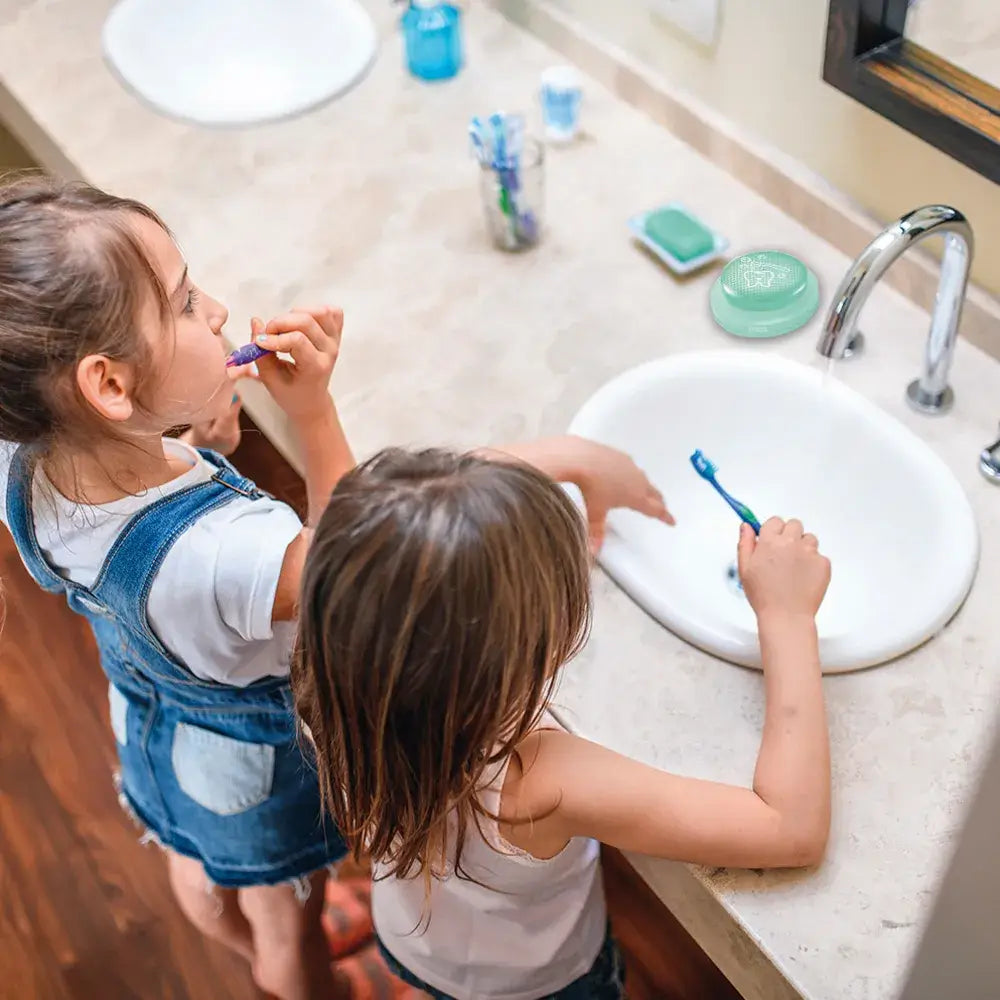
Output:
x=868 y=58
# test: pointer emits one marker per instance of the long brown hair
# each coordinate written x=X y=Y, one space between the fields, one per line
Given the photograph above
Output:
x=73 y=278
x=440 y=595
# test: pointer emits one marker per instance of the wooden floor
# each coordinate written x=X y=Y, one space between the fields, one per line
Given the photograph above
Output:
x=85 y=911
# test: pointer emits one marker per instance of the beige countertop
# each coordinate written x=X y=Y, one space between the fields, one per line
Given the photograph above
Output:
x=372 y=202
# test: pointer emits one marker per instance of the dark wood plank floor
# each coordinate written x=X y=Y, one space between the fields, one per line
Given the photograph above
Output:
x=85 y=911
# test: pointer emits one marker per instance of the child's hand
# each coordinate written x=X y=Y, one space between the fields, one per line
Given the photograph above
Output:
x=221 y=433
x=312 y=337
x=608 y=478
x=782 y=571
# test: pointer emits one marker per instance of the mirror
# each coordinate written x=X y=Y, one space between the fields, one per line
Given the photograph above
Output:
x=931 y=66
x=965 y=33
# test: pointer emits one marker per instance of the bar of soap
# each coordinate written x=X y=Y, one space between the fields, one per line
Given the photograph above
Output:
x=679 y=233
x=677 y=238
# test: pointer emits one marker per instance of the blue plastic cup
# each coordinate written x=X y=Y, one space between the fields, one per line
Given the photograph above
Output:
x=432 y=35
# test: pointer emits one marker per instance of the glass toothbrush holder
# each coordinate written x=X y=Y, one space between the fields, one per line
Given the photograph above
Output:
x=513 y=194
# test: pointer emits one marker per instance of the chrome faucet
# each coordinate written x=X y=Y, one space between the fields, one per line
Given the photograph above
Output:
x=930 y=393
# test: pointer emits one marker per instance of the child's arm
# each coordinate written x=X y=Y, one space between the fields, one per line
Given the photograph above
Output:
x=301 y=389
x=579 y=788
x=607 y=478
x=793 y=763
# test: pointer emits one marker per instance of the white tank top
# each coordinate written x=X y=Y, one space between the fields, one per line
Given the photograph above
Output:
x=527 y=930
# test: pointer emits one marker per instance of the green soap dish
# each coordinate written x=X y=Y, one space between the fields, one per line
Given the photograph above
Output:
x=677 y=237
x=766 y=293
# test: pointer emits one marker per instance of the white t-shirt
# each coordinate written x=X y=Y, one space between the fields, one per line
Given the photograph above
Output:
x=514 y=928
x=212 y=599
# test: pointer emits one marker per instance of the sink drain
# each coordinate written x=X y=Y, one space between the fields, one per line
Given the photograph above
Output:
x=733 y=580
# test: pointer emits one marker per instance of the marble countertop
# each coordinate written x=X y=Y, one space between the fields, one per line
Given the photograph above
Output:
x=371 y=202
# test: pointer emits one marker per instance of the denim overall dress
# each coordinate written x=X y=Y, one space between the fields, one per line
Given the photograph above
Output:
x=214 y=772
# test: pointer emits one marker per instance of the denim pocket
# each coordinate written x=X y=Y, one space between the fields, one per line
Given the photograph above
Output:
x=119 y=715
x=223 y=775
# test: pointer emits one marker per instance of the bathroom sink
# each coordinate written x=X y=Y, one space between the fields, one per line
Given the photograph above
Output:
x=791 y=441
x=238 y=62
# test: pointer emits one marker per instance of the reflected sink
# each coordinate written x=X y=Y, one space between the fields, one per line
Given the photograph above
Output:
x=790 y=441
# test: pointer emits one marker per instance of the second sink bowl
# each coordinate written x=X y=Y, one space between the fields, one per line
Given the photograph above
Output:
x=787 y=440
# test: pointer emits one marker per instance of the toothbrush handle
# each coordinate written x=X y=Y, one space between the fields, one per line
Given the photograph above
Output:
x=750 y=519
x=744 y=512
x=245 y=355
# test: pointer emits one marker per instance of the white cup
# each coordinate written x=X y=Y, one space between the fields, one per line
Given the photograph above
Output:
x=560 y=96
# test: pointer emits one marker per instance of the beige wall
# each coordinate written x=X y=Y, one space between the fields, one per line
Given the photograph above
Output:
x=765 y=73
x=11 y=154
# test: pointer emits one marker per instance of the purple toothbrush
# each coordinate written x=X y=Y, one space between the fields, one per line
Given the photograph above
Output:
x=245 y=355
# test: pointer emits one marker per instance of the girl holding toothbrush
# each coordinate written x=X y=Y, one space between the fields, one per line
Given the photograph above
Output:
x=187 y=572
x=442 y=597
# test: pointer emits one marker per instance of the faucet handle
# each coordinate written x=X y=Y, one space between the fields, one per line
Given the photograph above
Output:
x=989 y=462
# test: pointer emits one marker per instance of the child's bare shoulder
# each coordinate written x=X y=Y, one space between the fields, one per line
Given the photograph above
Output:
x=533 y=789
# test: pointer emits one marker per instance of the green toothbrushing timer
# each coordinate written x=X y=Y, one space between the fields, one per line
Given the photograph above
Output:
x=764 y=294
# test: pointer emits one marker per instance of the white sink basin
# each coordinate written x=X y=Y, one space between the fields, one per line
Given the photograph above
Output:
x=238 y=62
x=787 y=440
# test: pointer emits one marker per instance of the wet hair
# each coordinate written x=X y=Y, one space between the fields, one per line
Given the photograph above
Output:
x=440 y=595
x=73 y=279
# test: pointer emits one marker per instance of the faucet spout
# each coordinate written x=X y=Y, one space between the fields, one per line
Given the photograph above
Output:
x=929 y=393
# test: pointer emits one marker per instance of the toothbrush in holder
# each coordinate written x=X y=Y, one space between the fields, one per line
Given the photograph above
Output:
x=707 y=471
x=498 y=143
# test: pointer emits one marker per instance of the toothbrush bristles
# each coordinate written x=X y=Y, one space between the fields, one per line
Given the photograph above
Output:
x=702 y=465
